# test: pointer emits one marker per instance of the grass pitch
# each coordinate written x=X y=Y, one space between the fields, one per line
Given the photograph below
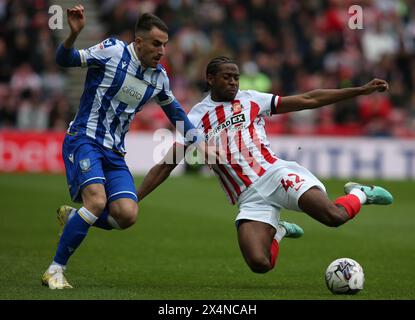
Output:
x=184 y=247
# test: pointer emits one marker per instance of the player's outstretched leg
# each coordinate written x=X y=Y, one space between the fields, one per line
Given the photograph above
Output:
x=316 y=204
x=75 y=230
x=54 y=276
x=374 y=194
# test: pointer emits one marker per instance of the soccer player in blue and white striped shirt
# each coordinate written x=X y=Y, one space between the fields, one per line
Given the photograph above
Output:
x=121 y=79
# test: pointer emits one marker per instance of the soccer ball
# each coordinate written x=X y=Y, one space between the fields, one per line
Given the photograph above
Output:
x=344 y=276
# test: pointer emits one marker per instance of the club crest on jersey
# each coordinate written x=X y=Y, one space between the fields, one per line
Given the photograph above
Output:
x=236 y=106
x=85 y=164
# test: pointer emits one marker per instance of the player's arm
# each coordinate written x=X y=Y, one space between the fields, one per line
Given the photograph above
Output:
x=176 y=114
x=66 y=54
x=322 y=97
x=191 y=135
x=159 y=173
x=172 y=108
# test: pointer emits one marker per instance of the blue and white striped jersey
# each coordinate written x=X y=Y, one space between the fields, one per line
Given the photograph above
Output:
x=116 y=88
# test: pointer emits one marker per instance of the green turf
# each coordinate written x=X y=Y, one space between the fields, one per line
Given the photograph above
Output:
x=184 y=247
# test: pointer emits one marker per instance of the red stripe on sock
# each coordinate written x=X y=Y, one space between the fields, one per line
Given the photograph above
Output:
x=351 y=203
x=275 y=248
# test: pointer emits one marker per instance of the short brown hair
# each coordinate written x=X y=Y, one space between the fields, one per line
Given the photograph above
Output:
x=147 y=21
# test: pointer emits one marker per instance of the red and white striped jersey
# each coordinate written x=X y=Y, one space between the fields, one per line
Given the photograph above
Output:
x=236 y=129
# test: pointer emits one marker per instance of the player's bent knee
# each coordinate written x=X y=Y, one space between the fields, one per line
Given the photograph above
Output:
x=98 y=203
x=95 y=203
x=127 y=221
x=94 y=199
x=259 y=264
x=334 y=223
x=125 y=213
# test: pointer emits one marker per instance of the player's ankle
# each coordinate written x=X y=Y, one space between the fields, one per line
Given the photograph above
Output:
x=54 y=266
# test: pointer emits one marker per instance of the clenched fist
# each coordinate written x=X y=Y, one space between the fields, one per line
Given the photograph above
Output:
x=375 y=85
x=76 y=18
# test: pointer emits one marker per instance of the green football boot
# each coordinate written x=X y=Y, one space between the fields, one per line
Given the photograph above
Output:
x=374 y=194
x=292 y=230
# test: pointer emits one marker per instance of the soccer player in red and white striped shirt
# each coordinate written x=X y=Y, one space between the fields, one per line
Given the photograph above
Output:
x=253 y=177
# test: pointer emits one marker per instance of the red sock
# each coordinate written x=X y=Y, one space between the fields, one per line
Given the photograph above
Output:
x=275 y=248
x=351 y=203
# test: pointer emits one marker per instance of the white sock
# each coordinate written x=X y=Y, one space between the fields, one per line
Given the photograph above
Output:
x=113 y=223
x=360 y=194
x=280 y=233
x=56 y=266
x=87 y=215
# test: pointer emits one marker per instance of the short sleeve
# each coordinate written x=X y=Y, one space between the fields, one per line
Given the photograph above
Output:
x=267 y=102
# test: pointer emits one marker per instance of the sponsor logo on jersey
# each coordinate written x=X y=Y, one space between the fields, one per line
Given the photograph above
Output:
x=293 y=181
x=234 y=120
x=131 y=92
x=239 y=118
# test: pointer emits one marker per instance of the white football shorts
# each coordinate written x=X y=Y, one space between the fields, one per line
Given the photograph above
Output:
x=280 y=187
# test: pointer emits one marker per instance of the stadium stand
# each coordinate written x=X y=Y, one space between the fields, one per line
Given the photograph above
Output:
x=32 y=88
x=286 y=47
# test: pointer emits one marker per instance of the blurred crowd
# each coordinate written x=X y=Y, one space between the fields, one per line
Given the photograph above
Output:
x=31 y=85
x=282 y=46
x=289 y=47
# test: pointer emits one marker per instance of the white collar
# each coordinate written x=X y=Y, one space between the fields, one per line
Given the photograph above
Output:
x=133 y=53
